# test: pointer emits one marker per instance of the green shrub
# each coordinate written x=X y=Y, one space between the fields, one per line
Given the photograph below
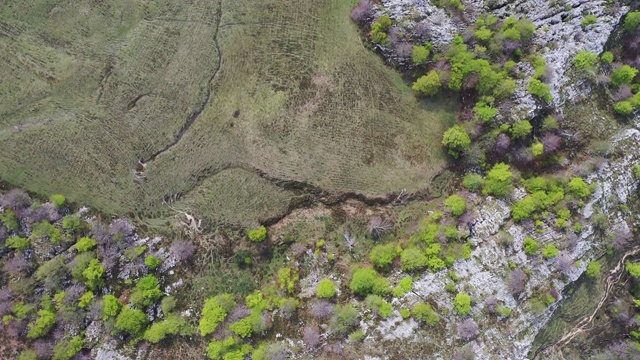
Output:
x=420 y=55
x=345 y=318
x=66 y=349
x=258 y=234
x=43 y=324
x=147 y=291
x=72 y=222
x=623 y=107
x=424 y=312
x=413 y=259
x=462 y=303
x=511 y=34
x=214 y=312
x=85 y=244
x=473 y=182
x=456 y=140
x=167 y=304
x=28 y=355
x=456 y=204
x=152 y=262
x=524 y=208
x=379 y=30
x=631 y=21
x=287 y=279
x=593 y=269
x=483 y=34
x=356 y=336
x=326 y=289
x=531 y=246
x=45 y=229
x=633 y=268
x=537 y=149
x=227 y=349
x=578 y=187
x=405 y=313
x=111 y=305
x=521 y=129
x=404 y=286
x=498 y=181
x=589 y=20
x=606 y=57
x=247 y=326
x=485 y=112
x=57 y=200
x=540 y=90
x=9 y=220
x=550 y=251
x=381 y=286
x=363 y=280
x=383 y=255
x=624 y=75
x=85 y=299
x=131 y=321
x=428 y=84
x=93 y=274
x=172 y=325
x=17 y=243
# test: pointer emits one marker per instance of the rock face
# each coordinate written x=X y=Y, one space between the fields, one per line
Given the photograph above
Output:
x=559 y=35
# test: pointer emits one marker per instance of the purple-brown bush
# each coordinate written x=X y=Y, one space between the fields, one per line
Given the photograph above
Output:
x=362 y=12
x=311 y=337
x=517 y=280
x=321 y=309
x=551 y=142
x=182 y=250
x=468 y=329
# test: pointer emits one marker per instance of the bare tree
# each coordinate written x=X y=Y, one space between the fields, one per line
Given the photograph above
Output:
x=182 y=250
x=43 y=349
x=311 y=337
x=16 y=265
x=564 y=263
x=551 y=142
x=517 y=280
x=15 y=199
x=622 y=237
x=362 y=12
x=464 y=353
x=349 y=241
x=379 y=227
x=321 y=309
x=468 y=329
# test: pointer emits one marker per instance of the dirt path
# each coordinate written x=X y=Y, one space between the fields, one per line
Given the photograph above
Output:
x=584 y=324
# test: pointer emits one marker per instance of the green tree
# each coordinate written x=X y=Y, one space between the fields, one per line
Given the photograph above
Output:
x=462 y=303
x=66 y=349
x=593 y=269
x=624 y=75
x=428 y=84
x=57 y=200
x=152 y=262
x=326 y=289
x=540 y=90
x=537 y=149
x=424 y=312
x=549 y=251
x=420 y=55
x=589 y=20
x=363 y=280
x=17 y=243
x=606 y=57
x=456 y=204
x=485 y=112
x=85 y=299
x=43 y=324
x=531 y=246
x=578 y=187
x=521 y=129
x=171 y=325
x=111 y=305
x=131 y=321
x=473 y=182
x=585 y=60
x=633 y=268
x=623 y=107
x=456 y=140
x=258 y=234
x=383 y=255
x=413 y=259
x=93 y=274
x=631 y=21
x=483 y=34
x=147 y=291
x=345 y=318
x=498 y=181
x=85 y=244
x=28 y=354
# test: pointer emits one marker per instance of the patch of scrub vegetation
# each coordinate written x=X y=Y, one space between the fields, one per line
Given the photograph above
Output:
x=296 y=96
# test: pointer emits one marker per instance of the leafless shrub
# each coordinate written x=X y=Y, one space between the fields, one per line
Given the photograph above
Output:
x=334 y=349
x=491 y=304
x=396 y=34
x=504 y=239
x=6 y=301
x=522 y=157
x=571 y=240
x=96 y=310
x=464 y=353
x=311 y=337
x=621 y=311
x=470 y=81
x=16 y=265
x=503 y=141
x=288 y=308
x=276 y=351
x=378 y=227
x=421 y=31
x=403 y=50
x=121 y=228
x=15 y=199
x=298 y=249
x=4 y=234
x=70 y=319
x=239 y=312
x=622 y=237
x=43 y=349
x=15 y=328
x=517 y=280
x=564 y=263
x=467 y=219
x=321 y=309
x=362 y=12
x=554 y=292
x=468 y=329
x=510 y=46
x=349 y=241
x=73 y=293
x=551 y=142
x=100 y=233
x=622 y=93
x=624 y=350
x=182 y=250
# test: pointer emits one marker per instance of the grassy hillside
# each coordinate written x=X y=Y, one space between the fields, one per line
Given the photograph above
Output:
x=91 y=88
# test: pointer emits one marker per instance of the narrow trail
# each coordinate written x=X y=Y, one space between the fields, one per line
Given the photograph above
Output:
x=584 y=324
x=194 y=116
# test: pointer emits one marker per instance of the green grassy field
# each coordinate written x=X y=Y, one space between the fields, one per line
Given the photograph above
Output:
x=90 y=88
